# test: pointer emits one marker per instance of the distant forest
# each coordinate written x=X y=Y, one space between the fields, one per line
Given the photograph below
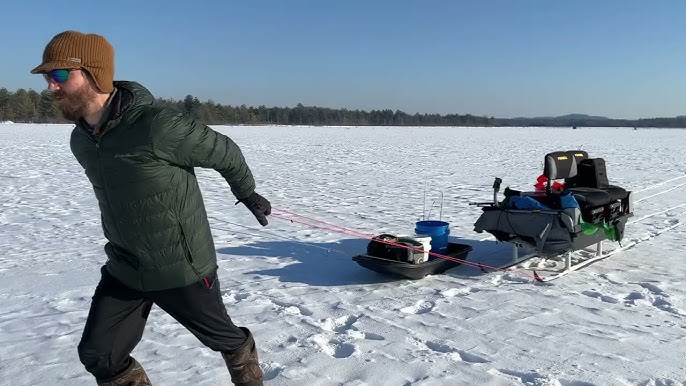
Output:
x=32 y=107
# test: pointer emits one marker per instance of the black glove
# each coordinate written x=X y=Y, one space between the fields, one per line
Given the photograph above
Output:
x=259 y=206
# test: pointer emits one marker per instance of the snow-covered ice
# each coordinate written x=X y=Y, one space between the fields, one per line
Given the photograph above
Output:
x=321 y=319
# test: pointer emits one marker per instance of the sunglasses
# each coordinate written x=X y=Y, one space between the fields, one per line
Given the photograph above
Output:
x=58 y=76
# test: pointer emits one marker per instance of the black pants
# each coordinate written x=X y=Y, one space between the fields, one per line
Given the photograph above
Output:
x=118 y=314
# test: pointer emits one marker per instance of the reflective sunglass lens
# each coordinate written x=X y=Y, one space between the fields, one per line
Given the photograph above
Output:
x=59 y=76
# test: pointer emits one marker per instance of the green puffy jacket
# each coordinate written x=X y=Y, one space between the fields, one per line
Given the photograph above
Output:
x=141 y=168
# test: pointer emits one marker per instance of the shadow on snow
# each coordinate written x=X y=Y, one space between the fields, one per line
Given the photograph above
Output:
x=331 y=264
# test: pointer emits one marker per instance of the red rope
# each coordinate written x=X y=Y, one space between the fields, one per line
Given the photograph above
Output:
x=350 y=232
x=329 y=228
x=366 y=236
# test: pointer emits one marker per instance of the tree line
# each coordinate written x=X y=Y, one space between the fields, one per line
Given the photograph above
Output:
x=30 y=106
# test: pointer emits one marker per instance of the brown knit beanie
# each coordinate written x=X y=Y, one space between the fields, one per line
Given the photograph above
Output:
x=76 y=50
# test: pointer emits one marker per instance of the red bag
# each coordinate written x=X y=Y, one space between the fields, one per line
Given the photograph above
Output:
x=541 y=183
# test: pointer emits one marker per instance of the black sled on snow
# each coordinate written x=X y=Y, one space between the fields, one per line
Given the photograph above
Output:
x=560 y=218
x=409 y=257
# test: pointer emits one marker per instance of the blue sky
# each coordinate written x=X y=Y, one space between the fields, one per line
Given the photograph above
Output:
x=507 y=58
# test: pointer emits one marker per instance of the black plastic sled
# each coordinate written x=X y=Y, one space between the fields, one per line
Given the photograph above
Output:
x=434 y=265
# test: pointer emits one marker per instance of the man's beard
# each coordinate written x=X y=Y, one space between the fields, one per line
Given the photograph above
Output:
x=75 y=105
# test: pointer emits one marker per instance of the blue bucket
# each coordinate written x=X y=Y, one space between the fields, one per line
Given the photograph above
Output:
x=438 y=230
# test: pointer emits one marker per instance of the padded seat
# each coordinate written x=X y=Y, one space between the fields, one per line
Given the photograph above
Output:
x=616 y=193
x=578 y=155
x=591 y=197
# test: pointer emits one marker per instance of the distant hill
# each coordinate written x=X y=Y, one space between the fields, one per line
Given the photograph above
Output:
x=563 y=117
x=580 y=116
x=585 y=120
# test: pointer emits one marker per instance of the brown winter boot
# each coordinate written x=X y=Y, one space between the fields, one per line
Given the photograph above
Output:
x=243 y=364
x=132 y=376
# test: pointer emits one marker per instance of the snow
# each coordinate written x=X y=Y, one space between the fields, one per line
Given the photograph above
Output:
x=321 y=319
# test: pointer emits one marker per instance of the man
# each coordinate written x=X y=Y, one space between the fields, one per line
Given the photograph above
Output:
x=140 y=160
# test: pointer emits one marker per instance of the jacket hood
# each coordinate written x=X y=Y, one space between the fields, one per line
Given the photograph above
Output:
x=141 y=95
x=129 y=97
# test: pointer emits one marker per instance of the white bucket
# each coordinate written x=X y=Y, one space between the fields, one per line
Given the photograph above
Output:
x=426 y=244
